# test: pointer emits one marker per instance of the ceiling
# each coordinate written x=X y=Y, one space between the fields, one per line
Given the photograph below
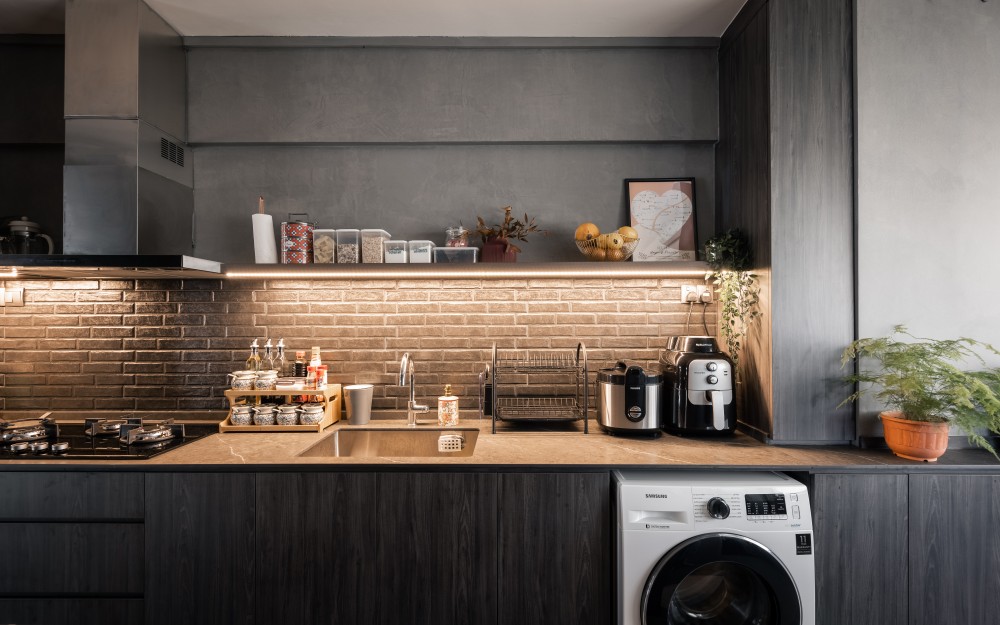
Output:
x=408 y=18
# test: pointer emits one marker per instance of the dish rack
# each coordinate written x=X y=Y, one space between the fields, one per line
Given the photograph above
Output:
x=329 y=397
x=530 y=386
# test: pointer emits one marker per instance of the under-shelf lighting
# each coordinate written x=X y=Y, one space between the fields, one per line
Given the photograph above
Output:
x=468 y=272
x=8 y=272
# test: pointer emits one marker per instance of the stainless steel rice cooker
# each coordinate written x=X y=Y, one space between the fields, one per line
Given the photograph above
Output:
x=628 y=399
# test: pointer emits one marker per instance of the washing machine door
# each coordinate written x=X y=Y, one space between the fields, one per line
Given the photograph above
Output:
x=720 y=579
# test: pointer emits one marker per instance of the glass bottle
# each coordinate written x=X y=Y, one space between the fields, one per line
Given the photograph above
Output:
x=279 y=362
x=300 y=364
x=456 y=236
x=253 y=362
x=267 y=361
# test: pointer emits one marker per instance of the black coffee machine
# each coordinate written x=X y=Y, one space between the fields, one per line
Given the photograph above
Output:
x=698 y=387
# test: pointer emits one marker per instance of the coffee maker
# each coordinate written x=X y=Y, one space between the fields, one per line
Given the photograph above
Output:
x=698 y=387
x=23 y=236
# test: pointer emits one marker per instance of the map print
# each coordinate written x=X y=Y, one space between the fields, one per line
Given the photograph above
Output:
x=662 y=211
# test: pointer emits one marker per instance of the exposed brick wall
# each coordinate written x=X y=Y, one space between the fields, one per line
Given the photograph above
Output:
x=168 y=344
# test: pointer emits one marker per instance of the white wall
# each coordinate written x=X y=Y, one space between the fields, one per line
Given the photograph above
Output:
x=928 y=117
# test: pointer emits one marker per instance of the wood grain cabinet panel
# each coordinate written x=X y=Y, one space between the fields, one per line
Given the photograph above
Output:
x=51 y=611
x=954 y=549
x=436 y=553
x=200 y=548
x=555 y=548
x=58 y=495
x=860 y=527
x=316 y=548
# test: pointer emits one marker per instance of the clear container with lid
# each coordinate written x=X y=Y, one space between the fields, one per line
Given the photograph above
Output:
x=456 y=236
x=421 y=251
x=396 y=252
x=348 y=244
x=324 y=245
x=372 y=245
x=455 y=254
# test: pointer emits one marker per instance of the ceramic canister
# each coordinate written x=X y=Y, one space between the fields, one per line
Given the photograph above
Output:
x=311 y=414
x=288 y=414
x=264 y=414
x=266 y=380
x=243 y=380
x=241 y=415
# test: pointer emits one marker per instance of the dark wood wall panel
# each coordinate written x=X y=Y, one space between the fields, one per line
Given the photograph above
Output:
x=51 y=611
x=436 y=549
x=555 y=543
x=954 y=549
x=859 y=522
x=315 y=546
x=812 y=215
x=200 y=548
x=77 y=496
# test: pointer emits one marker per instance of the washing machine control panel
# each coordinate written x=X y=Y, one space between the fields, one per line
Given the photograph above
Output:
x=766 y=507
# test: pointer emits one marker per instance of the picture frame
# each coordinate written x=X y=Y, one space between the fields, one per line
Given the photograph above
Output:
x=662 y=211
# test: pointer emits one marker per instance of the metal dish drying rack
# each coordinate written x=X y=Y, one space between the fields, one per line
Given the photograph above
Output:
x=536 y=386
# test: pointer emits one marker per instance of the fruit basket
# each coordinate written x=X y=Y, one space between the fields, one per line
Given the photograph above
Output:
x=608 y=249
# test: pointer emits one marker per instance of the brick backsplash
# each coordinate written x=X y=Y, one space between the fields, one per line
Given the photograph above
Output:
x=168 y=344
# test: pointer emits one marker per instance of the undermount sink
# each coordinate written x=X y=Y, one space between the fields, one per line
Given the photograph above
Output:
x=396 y=442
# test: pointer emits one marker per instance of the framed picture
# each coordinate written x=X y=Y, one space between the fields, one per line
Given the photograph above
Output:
x=662 y=212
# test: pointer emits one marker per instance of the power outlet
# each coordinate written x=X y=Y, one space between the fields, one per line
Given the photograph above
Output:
x=11 y=297
x=698 y=293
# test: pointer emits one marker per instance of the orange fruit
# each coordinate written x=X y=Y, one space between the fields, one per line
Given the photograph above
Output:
x=614 y=241
x=586 y=232
x=628 y=232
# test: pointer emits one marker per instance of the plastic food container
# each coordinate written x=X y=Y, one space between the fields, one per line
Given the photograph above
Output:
x=372 y=245
x=396 y=252
x=348 y=244
x=421 y=251
x=455 y=254
x=324 y=246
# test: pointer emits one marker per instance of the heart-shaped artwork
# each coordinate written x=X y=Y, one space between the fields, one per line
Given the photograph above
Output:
x=663 y=214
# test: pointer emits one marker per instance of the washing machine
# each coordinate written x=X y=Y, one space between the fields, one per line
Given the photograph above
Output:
x=713 y=548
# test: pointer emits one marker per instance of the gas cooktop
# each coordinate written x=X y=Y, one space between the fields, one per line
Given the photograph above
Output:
x=124 y=438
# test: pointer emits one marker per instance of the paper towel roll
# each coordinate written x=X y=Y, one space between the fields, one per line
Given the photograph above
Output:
x=264 y=249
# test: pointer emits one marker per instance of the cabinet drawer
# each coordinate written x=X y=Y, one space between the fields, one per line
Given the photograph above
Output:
x=71 y=611
x=71 y=559
x=56 y=495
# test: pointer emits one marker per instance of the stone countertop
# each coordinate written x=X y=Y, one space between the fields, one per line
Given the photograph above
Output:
x=525 y=449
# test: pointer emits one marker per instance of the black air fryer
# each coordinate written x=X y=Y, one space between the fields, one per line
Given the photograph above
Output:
x=697 y=387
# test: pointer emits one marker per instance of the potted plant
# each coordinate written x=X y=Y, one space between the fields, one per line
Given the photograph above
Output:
x=728 y=254
x=497 y=239
x=927 y=387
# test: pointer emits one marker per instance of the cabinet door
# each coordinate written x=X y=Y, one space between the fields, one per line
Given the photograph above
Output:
x=436 y=551
x=555 y=550
x=315 y=548
x=199 y=548
x=860 y=528
x=954 y=549
x=71 y=611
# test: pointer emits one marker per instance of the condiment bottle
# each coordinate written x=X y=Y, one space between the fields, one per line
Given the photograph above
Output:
x=447 y=408
x=267 y=361
x=253 y=362
x=300 y=364
x=279 y=362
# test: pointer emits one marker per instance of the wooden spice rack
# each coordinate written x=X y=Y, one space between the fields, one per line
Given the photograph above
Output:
x=330 y=397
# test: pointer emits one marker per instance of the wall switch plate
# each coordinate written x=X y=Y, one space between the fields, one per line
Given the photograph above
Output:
x=698 y=293
x=11 y=297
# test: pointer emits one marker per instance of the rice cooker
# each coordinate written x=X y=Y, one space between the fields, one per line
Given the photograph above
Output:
x=628 y=400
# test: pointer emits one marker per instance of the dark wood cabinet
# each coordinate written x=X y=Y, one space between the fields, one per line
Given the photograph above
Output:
x=860 y=528
x=954 y=554
x=200 y=548
x=436 y=548
x=71 y=611
x=315 y=548
x=555 y=552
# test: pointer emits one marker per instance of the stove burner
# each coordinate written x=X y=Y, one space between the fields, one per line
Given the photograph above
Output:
x=104 y=427
x=27 y=429
x=145 y=434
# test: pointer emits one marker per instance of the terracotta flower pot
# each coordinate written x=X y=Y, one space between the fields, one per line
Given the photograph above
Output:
x=914 y=440
x=496 y=251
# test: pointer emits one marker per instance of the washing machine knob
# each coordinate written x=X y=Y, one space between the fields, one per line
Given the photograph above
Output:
x=718 y=508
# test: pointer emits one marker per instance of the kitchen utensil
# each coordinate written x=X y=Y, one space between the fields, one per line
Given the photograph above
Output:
x=359 y=403
x=699 y=380
x=628 y=399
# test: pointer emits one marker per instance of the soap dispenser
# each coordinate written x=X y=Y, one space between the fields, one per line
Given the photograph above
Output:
x=447 y=408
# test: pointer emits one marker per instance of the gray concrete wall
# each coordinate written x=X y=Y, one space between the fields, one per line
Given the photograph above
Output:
x=413 y=139
x=928 y=158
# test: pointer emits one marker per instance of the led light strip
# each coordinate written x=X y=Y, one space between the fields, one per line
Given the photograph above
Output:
x=8 y=272
x=455 y=273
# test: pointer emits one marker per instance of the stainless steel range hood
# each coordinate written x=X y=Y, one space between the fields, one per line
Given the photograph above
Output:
x=128 y=203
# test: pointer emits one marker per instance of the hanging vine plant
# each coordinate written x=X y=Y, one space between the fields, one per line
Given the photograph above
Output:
x=729 y=256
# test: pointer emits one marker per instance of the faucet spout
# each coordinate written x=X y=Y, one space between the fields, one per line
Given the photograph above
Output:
x=406 y=379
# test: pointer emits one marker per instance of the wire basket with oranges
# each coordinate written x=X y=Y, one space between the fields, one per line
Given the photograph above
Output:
x=612 y=246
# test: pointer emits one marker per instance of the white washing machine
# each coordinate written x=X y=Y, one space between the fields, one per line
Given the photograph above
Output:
x=714 y=548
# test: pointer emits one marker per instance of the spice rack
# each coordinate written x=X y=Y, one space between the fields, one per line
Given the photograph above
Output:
x=330 y=397
x=535 y=386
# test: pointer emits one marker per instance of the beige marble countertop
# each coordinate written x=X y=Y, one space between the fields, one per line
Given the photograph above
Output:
x=534 y=449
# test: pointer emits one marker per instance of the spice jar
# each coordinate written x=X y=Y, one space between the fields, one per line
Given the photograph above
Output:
x=264 y=414
x=241 y=415
x=312 y=413
x=288 y=414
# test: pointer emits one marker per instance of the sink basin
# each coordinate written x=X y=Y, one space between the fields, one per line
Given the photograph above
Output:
x=396 y=442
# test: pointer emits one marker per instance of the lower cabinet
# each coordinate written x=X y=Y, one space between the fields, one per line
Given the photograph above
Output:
x=200 y=548
x=71 y=611
x=555 y=552
x=860 y=530
x=954 y=553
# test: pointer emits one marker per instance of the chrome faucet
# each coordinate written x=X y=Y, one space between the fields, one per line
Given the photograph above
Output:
x=406 y=378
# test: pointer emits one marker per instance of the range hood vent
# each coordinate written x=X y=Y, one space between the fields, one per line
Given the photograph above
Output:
x=171 y=151
x=81 y=267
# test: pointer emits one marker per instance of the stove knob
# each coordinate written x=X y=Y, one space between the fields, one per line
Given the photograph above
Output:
x=712 y=379
x=712 y=366
x=60 y=447
x=19 y=448
x=40 y=447
x=718 y=508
